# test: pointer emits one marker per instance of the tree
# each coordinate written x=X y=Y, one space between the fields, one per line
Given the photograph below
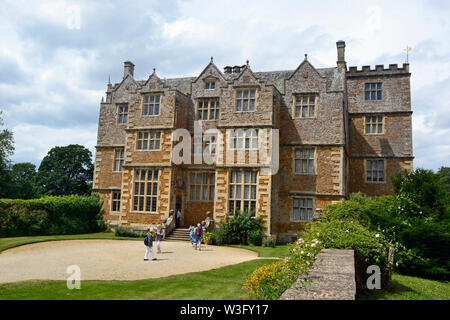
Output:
x=6 y=150
x=424 y=188
x=23 y=181
x=65 y=171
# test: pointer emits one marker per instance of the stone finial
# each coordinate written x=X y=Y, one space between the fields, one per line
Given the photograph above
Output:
x=154 y=70
x=247 y=62
x=212 y=58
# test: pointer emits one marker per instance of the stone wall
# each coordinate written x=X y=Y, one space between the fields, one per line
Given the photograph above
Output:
x=332 y=278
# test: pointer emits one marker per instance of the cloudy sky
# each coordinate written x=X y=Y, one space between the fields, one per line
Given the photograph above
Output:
x=55 y=55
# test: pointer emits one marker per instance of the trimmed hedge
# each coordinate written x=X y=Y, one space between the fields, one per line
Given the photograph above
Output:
x=51 y=215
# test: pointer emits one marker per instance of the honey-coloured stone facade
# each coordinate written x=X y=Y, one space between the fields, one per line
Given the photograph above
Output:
x=324 y=139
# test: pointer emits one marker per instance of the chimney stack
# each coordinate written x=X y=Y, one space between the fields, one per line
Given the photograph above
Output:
x=128 y=68
x=342 y=65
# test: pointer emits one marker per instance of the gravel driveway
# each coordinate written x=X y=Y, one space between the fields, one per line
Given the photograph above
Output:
x=112 y=260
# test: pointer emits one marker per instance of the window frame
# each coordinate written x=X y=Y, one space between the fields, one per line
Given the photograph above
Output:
x=122 y=114
x=148 y=140
x=198 y=187
x=139 y=193
x=147 y=105
x=299 y=207
x=247 y=135
x=233 y=185
x=241 y=99
x=115 y=200
x=377 y=91
x=208 y=109
x=366 y=170
x=377 y=124
x=308 y=105
x=120 y=159
x=208 y=84
x=308 y=160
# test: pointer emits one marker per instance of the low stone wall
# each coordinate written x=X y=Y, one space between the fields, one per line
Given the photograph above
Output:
x=332 y=278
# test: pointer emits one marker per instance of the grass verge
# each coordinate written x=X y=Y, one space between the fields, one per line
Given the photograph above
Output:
x=218 y=284
x=412 y=288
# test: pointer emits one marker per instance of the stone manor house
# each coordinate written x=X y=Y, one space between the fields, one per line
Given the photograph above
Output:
x=329 y=131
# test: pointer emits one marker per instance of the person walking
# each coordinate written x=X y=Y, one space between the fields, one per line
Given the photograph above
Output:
x=191 y=235
x=158 y=238
x=149 y=245
x=199 y=234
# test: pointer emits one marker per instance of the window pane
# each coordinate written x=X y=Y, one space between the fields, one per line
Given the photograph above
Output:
x=297 y=166
x=211 y=193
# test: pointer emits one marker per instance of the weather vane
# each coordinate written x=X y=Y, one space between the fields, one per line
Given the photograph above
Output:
x=407 y=49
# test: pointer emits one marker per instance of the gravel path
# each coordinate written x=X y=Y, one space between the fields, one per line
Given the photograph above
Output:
x=112 y=260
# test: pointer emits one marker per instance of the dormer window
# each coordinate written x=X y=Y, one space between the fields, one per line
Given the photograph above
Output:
x=210 y=84
x=305 y=106
x=150 y=106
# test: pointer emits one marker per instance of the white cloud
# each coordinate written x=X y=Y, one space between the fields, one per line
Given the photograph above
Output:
x=63 y=68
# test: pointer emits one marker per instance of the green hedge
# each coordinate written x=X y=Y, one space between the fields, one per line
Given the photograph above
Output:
x=421 y=242
x=51 y=215
x=370 y=248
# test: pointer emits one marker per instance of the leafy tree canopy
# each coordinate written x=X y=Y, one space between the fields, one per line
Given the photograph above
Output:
x=65 y=171
x=6 y=150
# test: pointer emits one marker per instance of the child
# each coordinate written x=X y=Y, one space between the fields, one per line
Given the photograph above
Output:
x=199 y=234
x=191 y=234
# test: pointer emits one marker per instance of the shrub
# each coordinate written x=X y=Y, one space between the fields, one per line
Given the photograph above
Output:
x=255 y=237
x=370 y=247
x=125 y=232
x=270 y=241
x=207 y=236
x=270 y=281
x=237 y=227
x=51 y=215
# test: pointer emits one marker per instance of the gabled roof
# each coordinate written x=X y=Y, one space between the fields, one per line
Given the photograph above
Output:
x=301 y=66
x=210 y=65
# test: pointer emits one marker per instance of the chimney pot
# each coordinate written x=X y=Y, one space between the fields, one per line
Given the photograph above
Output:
x=341 y=55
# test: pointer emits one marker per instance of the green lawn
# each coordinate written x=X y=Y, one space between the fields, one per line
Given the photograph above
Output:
x=279 y=251
x=413 y=288
x=8 y=243
x=218 y=284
